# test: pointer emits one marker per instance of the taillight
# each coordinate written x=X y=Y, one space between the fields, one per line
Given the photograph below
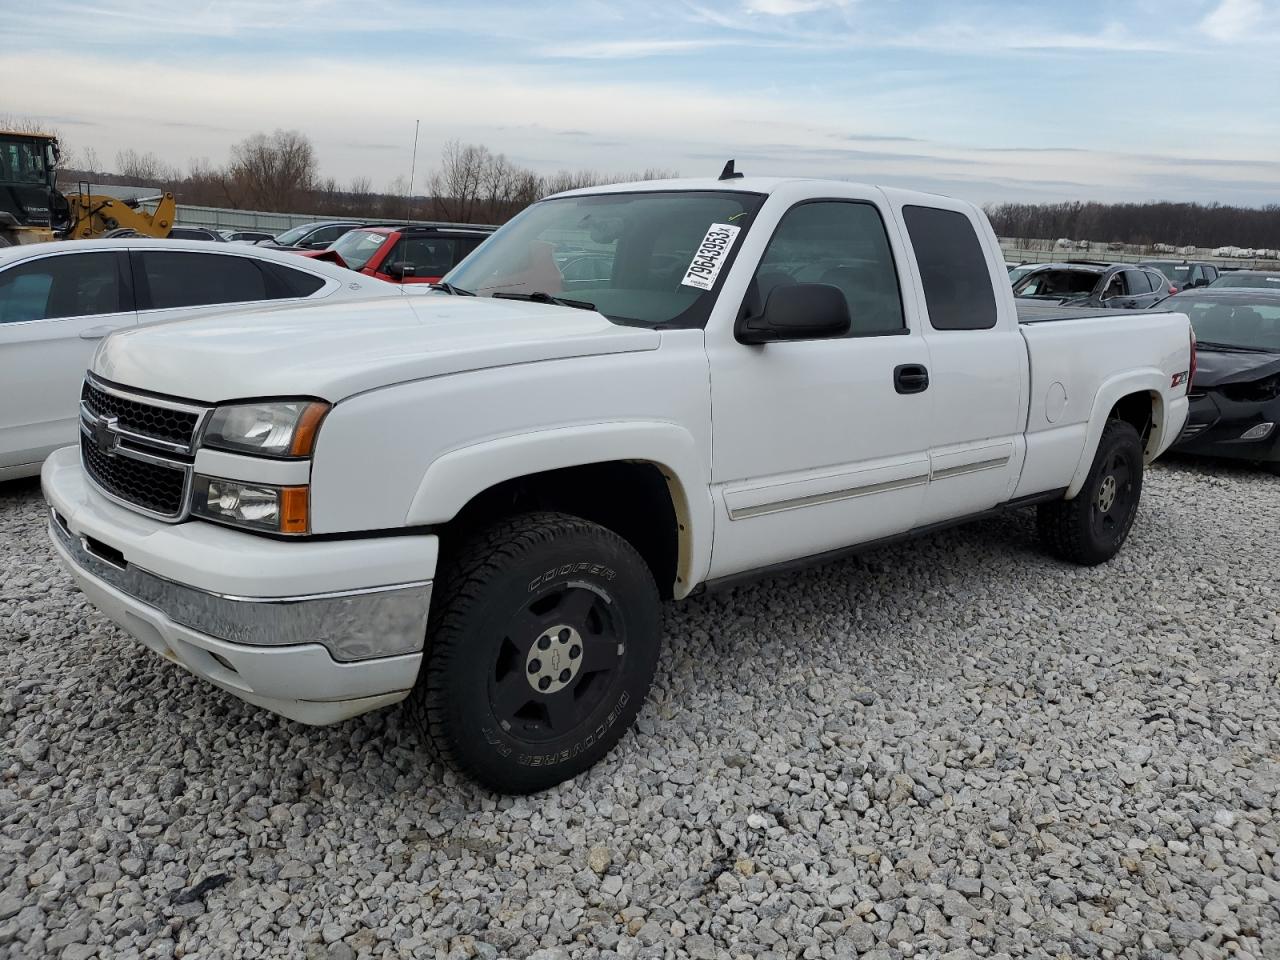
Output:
x=1191 y=364
x=1172 y=289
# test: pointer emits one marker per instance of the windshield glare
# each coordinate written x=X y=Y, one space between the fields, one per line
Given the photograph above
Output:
x=1243 y=322
x=293 y=236
x=357 y=247
x=627 y=254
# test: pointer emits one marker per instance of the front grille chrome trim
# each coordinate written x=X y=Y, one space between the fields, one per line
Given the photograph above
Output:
x=143 y=448
x=154 y=401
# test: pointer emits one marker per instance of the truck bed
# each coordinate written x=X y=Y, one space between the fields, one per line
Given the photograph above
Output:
x=1031 y=312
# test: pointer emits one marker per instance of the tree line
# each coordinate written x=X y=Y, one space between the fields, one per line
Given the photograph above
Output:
x=1179 y=224
x=280 y=172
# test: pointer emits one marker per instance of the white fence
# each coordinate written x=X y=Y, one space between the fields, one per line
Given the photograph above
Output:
x=1047 y=251
x=225 y=218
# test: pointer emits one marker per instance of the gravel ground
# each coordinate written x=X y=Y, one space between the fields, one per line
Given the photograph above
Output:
x=954 y=747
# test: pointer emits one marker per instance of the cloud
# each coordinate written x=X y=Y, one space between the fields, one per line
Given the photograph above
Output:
x=788 y=8
x=1233 y=20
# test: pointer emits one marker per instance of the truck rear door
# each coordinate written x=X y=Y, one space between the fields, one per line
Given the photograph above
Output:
x=978 y=363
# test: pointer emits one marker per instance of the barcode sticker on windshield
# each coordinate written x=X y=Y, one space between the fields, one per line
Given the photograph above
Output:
x=710 y=256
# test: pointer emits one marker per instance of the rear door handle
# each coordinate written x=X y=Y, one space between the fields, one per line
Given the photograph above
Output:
x=911 y=378
x=96 y=333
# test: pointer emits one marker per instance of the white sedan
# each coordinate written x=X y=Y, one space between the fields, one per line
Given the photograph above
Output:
x=57 y=300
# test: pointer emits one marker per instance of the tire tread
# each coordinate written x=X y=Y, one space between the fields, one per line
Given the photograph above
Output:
x=466 y=572
x=1062 y=524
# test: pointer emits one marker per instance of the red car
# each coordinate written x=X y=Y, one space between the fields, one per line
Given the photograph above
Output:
x=409 y=254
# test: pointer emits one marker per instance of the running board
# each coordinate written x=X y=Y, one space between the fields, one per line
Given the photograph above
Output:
x=840 y=553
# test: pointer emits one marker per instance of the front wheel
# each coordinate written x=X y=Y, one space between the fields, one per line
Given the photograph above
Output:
x=1091 y=528
x=543 y=643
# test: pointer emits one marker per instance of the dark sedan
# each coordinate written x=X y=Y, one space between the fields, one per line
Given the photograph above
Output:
x=1235 y=395
x=1089 y=283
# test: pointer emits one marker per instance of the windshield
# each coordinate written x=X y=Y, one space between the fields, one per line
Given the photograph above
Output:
x=1178 y=273
x=645 y=258
x=1238 y=322
x=1245 y=278
x=357 y=247
x=290 y=237
x=1057 y=284
x=22 y=162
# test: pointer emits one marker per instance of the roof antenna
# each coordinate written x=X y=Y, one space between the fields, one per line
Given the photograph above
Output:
x=728 y=173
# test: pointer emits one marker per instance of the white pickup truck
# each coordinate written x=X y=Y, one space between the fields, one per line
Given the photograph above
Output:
x=476 y=499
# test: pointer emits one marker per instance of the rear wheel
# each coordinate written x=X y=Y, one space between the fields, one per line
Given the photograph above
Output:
x=1091 y=528
x=543 y=642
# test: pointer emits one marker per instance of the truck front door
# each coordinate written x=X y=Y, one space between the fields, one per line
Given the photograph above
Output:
x=819 y=444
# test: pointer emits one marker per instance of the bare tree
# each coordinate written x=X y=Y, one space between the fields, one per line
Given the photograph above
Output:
x=273 y=172
x=145 y=168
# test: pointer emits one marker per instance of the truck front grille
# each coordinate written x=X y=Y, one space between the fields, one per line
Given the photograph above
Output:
x=159 y=490
x=150 y=420
x=137 y=449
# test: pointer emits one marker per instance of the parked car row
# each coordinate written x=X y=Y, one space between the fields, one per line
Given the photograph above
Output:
x=57 y=300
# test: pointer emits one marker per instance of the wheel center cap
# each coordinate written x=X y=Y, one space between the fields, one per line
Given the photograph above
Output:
x=554 y=659
x=1107 y=494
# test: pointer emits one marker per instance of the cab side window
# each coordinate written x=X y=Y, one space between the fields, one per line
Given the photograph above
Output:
x=953 y=269
x=69 y=285
x=842 y=243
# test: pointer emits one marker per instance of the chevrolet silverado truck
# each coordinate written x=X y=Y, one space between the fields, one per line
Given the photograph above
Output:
x=476 y=499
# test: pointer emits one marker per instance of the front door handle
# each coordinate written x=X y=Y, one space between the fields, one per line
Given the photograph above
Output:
x=911 y=378
x=96 y=333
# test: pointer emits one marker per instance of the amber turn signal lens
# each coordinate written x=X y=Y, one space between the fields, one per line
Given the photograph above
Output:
x=295 y=504
x=304 y=434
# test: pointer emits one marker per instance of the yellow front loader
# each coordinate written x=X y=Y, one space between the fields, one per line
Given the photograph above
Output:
x=33 y=210
x=95 y=215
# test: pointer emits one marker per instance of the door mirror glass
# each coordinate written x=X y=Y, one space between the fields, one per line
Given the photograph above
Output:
x=798 y=311
x=400 y=269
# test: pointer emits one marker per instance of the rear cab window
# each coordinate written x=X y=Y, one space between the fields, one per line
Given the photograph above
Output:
x=953 y=269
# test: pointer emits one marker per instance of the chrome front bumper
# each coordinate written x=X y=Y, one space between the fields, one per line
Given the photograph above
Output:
x=351 y=625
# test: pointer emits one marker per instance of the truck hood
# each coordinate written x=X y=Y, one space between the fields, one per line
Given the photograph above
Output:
x=333 y=351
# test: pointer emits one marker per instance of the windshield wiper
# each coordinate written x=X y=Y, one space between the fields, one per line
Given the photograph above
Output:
x=450 y=288
x=541 y=296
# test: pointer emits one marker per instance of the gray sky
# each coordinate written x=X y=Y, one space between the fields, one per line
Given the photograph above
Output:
x=1129 y=99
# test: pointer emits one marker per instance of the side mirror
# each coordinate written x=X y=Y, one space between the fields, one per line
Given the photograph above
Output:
x=798 y=311
x=1200 y=282
x=399 y=270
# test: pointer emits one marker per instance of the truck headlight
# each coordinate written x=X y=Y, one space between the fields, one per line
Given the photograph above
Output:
x=274 y=429
x=254 y=506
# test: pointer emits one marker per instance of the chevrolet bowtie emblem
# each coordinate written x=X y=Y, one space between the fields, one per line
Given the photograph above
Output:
x=105 y=437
